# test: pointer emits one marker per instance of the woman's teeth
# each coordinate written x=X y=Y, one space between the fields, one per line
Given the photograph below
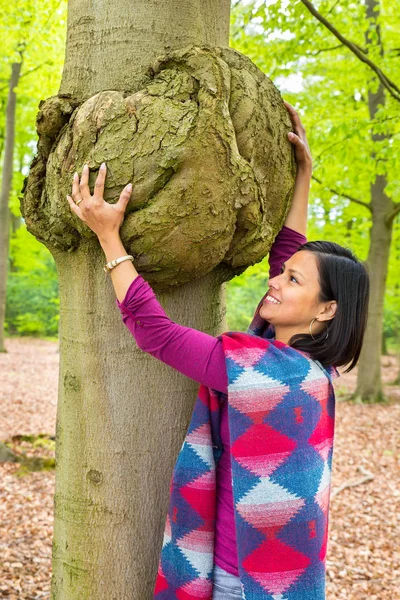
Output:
x=272 y=300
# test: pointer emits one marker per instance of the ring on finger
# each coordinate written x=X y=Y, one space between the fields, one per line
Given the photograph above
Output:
x=77 y=202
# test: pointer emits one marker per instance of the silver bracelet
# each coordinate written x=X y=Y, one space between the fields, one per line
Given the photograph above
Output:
x=113 y=263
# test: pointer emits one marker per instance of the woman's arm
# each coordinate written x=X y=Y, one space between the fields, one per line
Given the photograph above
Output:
x=297 y=215
x=292 y=234
x=124 y=273
x=194 y=353
x=197 y=355
x=286 y=243
x=105 y=220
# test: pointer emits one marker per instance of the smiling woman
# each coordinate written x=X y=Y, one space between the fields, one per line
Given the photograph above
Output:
x=295 y=298
x=325 y=284
x=248 y=512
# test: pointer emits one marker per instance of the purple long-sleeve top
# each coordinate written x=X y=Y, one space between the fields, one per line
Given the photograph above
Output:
x=201 y=357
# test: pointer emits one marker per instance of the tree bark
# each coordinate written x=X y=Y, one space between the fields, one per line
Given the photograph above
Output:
x=122 y=415
x=100 y=38
x=121 y=420
x=6 y=184
x=209 y=196
x=369 y=380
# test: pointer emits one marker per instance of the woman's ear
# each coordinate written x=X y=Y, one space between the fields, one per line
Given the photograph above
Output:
x=328 y=312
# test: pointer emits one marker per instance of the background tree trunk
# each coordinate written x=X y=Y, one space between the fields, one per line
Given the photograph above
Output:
x=369 y=381
x=6 y=184
x=15 y=222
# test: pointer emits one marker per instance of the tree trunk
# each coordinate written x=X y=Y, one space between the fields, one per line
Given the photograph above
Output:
x=121 y=420
x=15 y=222
x=6 y=184
x=131 y=34
x=122 y=415
x=369 y=380
x=203 y=137
x=384 y=347
x=15 y=225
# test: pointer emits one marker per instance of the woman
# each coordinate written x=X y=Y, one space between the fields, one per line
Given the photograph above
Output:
x=270 y=446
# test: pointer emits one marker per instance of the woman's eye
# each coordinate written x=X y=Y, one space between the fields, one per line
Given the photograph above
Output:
x=294 y=278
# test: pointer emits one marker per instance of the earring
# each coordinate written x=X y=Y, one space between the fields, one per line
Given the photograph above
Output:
x=327 y=332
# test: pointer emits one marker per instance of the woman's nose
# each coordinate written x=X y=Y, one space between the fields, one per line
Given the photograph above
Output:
x=274 y=282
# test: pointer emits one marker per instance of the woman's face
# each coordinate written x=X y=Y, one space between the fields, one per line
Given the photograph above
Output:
x=293 y=301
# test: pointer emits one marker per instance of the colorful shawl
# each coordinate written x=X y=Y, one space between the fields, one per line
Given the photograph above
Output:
x=281 y=410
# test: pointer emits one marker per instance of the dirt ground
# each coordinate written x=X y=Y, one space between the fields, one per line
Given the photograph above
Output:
x=363 y=560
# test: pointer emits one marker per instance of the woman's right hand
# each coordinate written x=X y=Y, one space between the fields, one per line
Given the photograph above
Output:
x=299 y=140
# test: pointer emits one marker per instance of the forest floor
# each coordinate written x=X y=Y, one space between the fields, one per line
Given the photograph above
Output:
x=363 y=560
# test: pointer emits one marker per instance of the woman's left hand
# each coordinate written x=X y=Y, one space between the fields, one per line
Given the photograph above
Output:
x=299 y=140
x=102 y=218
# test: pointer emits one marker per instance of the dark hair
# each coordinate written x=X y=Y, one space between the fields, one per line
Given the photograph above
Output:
x=342 y=277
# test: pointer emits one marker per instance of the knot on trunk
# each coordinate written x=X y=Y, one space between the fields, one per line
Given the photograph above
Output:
x=205 y=147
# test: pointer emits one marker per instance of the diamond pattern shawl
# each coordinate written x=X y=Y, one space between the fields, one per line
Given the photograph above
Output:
x=281 y=410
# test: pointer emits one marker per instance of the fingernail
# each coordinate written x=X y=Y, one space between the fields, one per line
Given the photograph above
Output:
x=129 y=187
x=75 y=175
x=103 y=165
x=291 y=135
x=85 y=167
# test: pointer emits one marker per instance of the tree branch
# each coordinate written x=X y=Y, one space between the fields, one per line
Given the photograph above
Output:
x=332 y=8
x=29 y=72
x=337 y=193
x=367 y=477
x=386 y=82
x=391 y=216
x=325 y=50
x=35 y=69
x=347 y=137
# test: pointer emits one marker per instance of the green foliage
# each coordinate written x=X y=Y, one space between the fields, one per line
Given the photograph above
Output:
x=32 y=452
x=32 y=288
x=329 y=87
x=34 y=33
x=244 y=293
x=314 y=71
